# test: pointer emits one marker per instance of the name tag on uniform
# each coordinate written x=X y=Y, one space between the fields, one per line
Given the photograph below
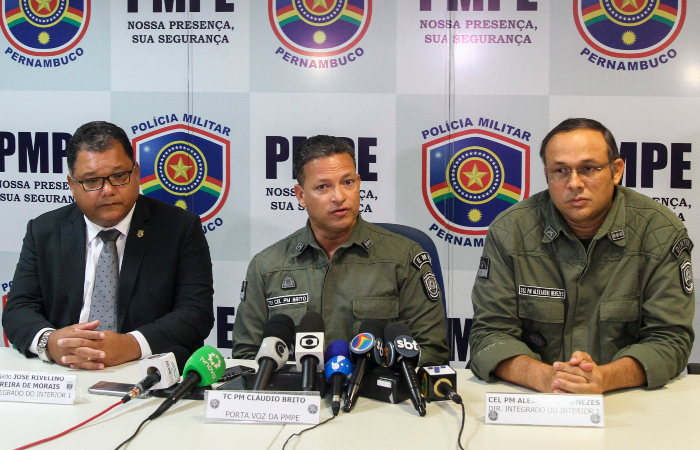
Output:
x=262 y=407
x=557 y=410
x=287 y=300
x=536 y=291
x=33 y=387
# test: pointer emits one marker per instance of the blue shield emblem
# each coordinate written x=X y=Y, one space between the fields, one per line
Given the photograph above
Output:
x=185 y=167
x=319 y=28
x=472 y=176
x=629 y=28
x=45 y=27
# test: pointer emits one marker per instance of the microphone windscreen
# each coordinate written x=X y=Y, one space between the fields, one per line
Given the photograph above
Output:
x=208 y=363
x=338 y=348
x=312 y=322
x=393 y=330
x=280 y=326
x=338 y=364
x=373 y=327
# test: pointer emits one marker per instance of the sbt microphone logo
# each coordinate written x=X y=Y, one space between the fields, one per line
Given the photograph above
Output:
x=406 y=344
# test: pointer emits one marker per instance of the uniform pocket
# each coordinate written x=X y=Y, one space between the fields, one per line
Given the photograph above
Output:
x=296 y=312
x=543 y=325
x=619 y=325
x=619 y=309
x=375 y=307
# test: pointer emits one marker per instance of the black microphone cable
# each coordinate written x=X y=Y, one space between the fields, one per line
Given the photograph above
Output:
x=461 y=428
x=133 y=435
x=307 y=429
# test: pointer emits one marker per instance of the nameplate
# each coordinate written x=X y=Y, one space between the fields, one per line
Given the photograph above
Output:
x=34 y=387
x=559 y=410
x=262 y=407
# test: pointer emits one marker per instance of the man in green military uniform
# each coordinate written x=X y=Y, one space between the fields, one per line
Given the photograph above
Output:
x=340 y=266
x=586 y=287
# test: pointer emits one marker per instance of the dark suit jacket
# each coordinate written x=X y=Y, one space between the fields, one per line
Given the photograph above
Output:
x=165 y=286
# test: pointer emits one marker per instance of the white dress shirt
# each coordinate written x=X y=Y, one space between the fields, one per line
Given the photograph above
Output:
x=92 y=255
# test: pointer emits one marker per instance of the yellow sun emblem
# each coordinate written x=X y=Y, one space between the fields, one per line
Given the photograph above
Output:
x=319 y=37
x=44 y=38
x=629 y=38
x=181 y=204
x=475 y=215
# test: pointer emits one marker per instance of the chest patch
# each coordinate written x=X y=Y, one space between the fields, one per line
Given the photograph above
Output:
x=681 y=244
x=420 y=259
x=288 y=282
x=287 y=300
x=687 y=276
x=536 y=291
x=430 y=284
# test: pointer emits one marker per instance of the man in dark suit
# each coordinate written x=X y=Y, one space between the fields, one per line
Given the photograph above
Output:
x=87 y=296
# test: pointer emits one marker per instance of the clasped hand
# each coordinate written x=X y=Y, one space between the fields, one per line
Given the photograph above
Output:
x=580 y=375
x=80 y=346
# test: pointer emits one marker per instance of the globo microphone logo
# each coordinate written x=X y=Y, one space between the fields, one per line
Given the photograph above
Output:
x=309 y=341
x=280 y=348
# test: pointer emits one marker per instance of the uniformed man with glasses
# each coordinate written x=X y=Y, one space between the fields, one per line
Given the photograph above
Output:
x=586 y=287
x=115 y=276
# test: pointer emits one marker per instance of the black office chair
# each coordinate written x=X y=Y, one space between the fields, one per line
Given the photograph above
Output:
x=428 y=245
x=693 y=369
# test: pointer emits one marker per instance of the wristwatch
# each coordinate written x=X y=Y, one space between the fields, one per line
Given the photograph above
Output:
x=41 y=349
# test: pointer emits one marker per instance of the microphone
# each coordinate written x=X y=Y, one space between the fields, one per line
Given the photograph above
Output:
x=368 y=350
x=439 y=383
x=158 y=371
x=338 y=370
x=400 y=349
x=204 y=367
x=308 y=348
x=274 y=350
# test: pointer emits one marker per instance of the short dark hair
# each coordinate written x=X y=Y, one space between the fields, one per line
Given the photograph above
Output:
x=317 y=147
x=96 y=137
x=573 y=124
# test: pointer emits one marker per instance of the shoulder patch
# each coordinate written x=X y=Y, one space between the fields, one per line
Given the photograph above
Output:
x=550 y=233
x=420 y=259
x=367 y=243
x=484 y=264
x=617 y=235
x=681 y=244
x=430 y=284
x=288 y=282
x=687 y=276
x=244 y=285
x=300 y=246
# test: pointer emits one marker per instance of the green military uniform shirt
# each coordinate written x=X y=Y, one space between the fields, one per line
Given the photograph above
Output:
x=541 y=293
x=371 y=276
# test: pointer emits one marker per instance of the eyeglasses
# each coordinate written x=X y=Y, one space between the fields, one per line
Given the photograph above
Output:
x=97 y=183
x=586 y=172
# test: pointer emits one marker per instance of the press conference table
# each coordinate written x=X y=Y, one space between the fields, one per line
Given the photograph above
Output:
x=663 y=418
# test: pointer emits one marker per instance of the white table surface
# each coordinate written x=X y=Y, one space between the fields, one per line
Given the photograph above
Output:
x=635 y=418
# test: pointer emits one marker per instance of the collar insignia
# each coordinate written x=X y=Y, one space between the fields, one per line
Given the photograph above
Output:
x=550 y=233
x=617 y=235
